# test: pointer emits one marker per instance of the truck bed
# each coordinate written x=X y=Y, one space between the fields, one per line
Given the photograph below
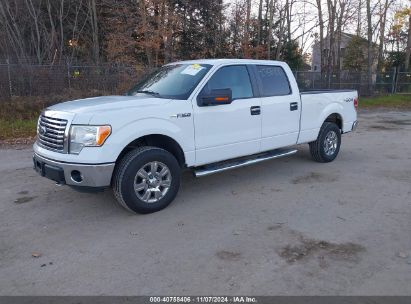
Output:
x=305 y=92
x=317 y=105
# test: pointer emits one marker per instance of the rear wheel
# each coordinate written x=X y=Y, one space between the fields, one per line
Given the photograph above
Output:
x=325 y=149
x=146 y=180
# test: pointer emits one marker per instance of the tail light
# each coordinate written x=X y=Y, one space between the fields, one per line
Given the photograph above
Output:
x=356 y=103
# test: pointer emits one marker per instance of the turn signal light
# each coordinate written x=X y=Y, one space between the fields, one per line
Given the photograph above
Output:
x=102 y=134
x=221 y=99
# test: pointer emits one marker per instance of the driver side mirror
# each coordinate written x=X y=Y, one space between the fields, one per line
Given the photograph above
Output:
x=215 y=97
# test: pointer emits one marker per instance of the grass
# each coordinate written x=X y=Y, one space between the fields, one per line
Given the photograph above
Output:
x=388 y=101
x=17 y=129
x=18 y=117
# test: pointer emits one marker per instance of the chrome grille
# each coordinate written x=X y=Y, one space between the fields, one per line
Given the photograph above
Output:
x=50 y=133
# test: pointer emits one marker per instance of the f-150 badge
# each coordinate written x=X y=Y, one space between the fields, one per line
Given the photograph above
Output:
x=181 y=115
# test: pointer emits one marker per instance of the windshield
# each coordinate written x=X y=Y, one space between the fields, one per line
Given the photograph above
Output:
x=175 y=81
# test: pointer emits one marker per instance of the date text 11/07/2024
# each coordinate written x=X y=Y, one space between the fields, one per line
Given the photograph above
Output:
x=203 y=299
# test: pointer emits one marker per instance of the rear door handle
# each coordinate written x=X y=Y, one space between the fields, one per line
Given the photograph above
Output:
x=256 y=110
x=293 y=106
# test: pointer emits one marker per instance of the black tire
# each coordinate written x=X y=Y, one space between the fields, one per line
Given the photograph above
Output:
x=318 y=148
x=126 y=172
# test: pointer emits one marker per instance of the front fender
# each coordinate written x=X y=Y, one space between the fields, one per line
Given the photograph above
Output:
x=149 y=126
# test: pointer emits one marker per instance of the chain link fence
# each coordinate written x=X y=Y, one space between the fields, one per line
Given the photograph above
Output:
x=42 y=80
x=381 y=83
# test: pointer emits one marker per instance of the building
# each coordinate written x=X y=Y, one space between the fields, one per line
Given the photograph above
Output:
x=345 y=40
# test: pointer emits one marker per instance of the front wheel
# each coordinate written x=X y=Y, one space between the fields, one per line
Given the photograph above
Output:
x=325 y=149
x=146 y=180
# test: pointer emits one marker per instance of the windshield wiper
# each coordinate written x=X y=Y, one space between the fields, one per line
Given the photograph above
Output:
x=148 y=92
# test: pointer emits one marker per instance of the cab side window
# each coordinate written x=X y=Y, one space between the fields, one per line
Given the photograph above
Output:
x=273 y=80
x=234 y=77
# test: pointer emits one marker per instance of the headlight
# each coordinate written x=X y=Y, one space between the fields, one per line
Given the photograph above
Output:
x=87 y=136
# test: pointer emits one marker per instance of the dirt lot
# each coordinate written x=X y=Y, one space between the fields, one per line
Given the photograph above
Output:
x=288 y=226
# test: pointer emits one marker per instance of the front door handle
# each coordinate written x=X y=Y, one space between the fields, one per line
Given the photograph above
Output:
x=256 y=110
x=293 y=106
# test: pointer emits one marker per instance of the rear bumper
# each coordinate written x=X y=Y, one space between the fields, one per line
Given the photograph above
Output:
x=354 y=125
x=83 y=175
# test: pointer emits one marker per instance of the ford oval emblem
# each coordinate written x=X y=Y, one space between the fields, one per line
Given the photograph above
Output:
x=42 y=130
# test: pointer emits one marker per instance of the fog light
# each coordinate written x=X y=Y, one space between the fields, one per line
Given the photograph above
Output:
x=76 y=176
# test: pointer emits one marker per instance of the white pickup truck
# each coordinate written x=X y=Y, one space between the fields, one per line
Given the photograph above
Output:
x=204 y=115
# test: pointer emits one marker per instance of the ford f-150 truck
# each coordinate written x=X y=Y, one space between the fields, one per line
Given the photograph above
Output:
x=204 y=115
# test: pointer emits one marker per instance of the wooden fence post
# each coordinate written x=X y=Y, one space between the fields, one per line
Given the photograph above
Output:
x=9 y=76
x=393 y=81
x=68 y=75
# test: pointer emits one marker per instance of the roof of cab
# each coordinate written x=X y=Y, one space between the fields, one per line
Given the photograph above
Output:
x=228 y=61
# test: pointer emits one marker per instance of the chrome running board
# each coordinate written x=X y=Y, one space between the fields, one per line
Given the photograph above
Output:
x=241 y=162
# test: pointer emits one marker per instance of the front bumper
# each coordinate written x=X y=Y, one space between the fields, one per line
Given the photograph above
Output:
x=85 y=175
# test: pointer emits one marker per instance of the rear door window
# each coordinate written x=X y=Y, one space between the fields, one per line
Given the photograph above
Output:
x=273 y=80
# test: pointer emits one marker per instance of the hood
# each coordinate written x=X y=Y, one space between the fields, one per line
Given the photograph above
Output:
x=95 y=105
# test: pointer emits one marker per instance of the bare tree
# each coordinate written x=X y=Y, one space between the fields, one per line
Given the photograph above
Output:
x=15 y=39
x=340 y=21
x=168 y=33
x=246 y=40
x=34 y=12
x=332 y=14
x=144 y=24
x=359 y=17
x=369 y=45
x=260 y=22
x=94 y=30
x=383 y=19
x=270 y=27
x=151 y=32
x=61 y=25
x=321 y=35
x=408 y=50
x=282 y=29
x=52 y=41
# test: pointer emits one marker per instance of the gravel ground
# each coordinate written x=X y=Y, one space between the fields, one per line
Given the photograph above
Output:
x=284 y=227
